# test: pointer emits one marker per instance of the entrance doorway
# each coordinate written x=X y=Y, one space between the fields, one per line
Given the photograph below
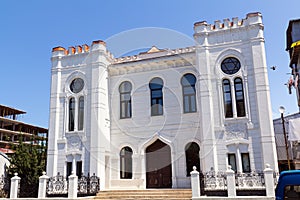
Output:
x=158 y=165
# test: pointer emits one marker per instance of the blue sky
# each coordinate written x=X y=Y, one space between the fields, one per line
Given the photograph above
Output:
x=30 y=29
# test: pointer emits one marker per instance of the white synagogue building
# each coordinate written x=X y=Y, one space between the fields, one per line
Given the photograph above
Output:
x=144 y=121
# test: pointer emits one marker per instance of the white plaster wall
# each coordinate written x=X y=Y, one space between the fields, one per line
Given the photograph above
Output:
x=105 y=134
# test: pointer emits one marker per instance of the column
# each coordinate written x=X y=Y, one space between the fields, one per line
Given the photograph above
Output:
x=42 y=186
x=230 y=182
x=195 y=183
x=14 y=188
x=269 y=181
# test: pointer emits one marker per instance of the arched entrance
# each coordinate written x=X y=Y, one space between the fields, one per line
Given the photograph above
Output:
x=158 y=165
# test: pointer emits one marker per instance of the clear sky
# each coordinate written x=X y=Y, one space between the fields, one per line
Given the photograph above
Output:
x=30 y=29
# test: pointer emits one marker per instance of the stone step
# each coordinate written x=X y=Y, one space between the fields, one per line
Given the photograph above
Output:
x=153 y=194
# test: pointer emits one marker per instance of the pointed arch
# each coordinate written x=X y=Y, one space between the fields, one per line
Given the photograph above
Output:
x=192 y=157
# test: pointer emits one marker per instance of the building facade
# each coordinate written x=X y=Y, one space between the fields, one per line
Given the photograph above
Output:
x=144 y=121
x=293 y=147
x=11 y=129
x=293 y=48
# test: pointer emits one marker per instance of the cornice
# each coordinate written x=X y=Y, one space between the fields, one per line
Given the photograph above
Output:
x=172 y=60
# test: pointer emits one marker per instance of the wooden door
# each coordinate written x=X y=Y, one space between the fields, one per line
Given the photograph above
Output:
x=158 y=165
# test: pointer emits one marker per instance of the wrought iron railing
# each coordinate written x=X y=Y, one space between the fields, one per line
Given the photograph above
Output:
x=57 y=185
x=87 y=185
x=250 y=181
x=214 y=180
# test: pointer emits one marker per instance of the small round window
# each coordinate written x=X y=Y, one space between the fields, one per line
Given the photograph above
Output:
x=230 y=65
x=77 y=85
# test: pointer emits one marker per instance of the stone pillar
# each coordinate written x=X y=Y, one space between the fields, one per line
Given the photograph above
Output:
x=42 y=186
x=269 y=181
x=73 y=185
x=14 y=188
x=230 y=182
x=195 y=182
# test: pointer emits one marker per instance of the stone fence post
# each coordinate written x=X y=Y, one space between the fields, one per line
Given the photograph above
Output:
x=269 y=181
x=14 y=187
x=195 y=182
x=43 y=186
x=231 y=189
x=73 y=185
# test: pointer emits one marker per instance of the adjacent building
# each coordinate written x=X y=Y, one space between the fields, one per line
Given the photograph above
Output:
x=293 y=48
x=144 y=121
x=12 y=128
x=282 y=147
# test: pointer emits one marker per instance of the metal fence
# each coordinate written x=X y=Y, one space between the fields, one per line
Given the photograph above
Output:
x=87 y=185
x=215 y=183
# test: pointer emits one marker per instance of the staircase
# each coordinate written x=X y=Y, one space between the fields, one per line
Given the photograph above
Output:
x=150 y=194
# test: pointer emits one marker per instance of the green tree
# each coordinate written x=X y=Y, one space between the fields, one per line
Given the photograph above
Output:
x=29 y=162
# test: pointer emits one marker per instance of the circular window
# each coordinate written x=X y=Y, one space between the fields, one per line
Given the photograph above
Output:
x=230 y=65
x=77 y=85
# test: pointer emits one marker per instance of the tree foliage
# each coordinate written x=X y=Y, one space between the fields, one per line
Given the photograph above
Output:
x=29 y=162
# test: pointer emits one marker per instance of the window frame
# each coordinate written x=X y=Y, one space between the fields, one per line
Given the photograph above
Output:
x=75 y=121
x=247 y=160
x=228 y=107
x=190 y=102
x=228 y=62
x=126 y=164
x=156 y=102
x=233 y=167
x=80 y=118
x=71 y=114
x=125 y=105
x=241 y=112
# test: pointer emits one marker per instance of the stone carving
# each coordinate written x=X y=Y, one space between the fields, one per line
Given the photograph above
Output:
x=235 y=131
x=74 y=143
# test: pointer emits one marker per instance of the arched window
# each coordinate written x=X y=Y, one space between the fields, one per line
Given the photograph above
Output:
x=125 y=99
x=80 y=113
x=192 y=157
x=126 y=163
x=239 y=97
x=188 y=82
x=156 y=85
x=227 y=98
x=71 y=114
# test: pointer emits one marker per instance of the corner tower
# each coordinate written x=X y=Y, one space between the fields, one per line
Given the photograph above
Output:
x=234 y=95
x=79 y=114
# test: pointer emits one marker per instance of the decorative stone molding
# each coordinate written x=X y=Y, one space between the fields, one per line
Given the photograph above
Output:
x=74 y=143
x=235 y=131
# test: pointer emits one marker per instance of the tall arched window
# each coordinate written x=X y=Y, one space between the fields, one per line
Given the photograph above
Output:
x=125 y=99
x=126 y=163
x=156 y=85
x=239 y=97
x=192 y=157
x=80 y=113
x=188 y=82
x=227 y=98
x=71 y=114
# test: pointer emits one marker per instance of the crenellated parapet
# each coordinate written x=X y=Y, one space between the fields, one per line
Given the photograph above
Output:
x=80 y=54
x=228 y=31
